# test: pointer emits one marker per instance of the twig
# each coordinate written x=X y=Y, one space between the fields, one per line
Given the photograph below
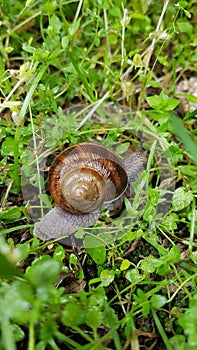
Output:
x=78 y=11
x=106 y=29
x=4 y=200
x=151 y=47
x=123 y=23
x=94 y=108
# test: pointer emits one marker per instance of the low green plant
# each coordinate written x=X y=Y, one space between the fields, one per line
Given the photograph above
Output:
x=107 y=71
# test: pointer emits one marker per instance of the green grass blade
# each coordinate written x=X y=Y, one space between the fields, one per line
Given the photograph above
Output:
x=81 y=76
x=161 y=331
x=6 y=333
x=31 y=91
x=183 y=134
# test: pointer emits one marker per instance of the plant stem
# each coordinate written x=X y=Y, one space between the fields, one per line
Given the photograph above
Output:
x=31 y=337
x=161 y=331
x=16 y=155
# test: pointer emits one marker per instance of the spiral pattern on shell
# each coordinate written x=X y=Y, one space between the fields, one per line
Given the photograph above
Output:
x=85 y=176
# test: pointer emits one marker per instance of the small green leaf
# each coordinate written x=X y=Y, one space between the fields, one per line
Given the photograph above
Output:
x=171 y=104
x=65 y=42
x=191 y=98
x=125 y=265
x=59 y=253
x=18 y=332
x=154 y=101
x=115 y=11
x=74 y=27
x=158 y=301
x=142 y=300
x=188 y=321
x=107 y=277
x=150 y=264
x=55 y=23
x=181 y=199
x=43 y=196
x=178 y=342
x=44 y=271
x=93 y=317
x=122 y=148
x=170 y=222
x=194 y=257
x=73 y=260
x=137 y=60
x=80 y=233
x=133 y=276
x=11 y=214
x=174 y=254
x=184 y=26
x=164 y=269
x=73 y=315
x=8 y=146
x=110 y=317
x=18 y=302
x=24 y=250
x=7 y=269
x=162 y=102
x=96 y=249
x=48 y=329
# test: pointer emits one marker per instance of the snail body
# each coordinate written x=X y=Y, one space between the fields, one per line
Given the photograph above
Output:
x=82 y=178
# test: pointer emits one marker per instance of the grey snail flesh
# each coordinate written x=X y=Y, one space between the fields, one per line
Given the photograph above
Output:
x=59 y=223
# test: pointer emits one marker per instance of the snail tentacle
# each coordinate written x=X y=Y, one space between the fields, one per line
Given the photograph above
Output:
x=134 y=164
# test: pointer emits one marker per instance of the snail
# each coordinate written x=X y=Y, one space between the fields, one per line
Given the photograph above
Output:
x=82 y=179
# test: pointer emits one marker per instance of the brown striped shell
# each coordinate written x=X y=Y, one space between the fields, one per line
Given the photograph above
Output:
x=85 y=176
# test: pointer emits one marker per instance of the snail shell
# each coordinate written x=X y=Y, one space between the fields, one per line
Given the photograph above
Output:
x=85 y=176
x=81 y=179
